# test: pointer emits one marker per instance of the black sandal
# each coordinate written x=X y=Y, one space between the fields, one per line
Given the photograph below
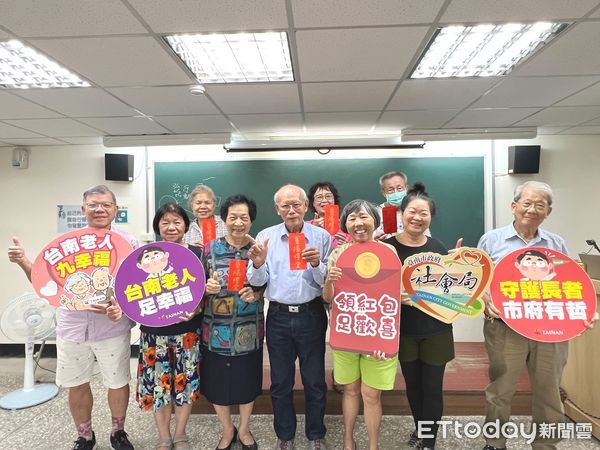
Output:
x=233 y=441
x=253 y=446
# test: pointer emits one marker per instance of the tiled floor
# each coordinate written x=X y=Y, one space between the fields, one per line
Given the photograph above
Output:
x=49 y=426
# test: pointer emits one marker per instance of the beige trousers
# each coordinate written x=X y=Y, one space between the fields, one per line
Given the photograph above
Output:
x=509 y=353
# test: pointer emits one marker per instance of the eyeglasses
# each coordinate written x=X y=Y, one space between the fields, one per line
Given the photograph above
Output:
x=328 y=197
x=538 y=206
x=94 y=206
x=295 y=206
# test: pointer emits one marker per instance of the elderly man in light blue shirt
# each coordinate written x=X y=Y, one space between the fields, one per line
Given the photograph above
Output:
x=509 y=352
x=296 y=321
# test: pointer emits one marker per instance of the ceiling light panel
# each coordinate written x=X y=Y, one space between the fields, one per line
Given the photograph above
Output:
x=23 y=67
x=482 y=50
x=235 y=58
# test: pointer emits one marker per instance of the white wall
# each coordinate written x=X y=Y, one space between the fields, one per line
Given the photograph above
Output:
x=56 y=175
x=571 y=165
x=59 y=175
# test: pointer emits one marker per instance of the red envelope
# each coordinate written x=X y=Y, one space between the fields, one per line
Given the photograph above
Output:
x=332 y=219
x=297 y=243
x=390 y=219
x=209 y=230
x=237 y=274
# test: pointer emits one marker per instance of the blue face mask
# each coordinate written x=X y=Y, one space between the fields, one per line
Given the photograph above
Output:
x=396 y=198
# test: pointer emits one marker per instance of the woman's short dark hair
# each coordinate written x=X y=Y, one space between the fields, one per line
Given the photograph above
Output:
x=415 y=192
x=167 y=208
x=355 y=206
x=238 y=199
x=323 y=185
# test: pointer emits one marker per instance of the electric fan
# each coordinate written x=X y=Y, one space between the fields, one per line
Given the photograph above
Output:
x=28 y=318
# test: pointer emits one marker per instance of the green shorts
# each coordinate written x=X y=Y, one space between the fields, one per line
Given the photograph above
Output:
x=349 y=367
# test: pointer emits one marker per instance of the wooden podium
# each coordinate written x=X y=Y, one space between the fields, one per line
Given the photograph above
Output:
x=581 y=375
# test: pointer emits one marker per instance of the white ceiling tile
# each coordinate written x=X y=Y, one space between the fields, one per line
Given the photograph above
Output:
x=340 y=122
x=349 y=96
x=397 y=120
x=498 y=117
x=13 y=107
x=125 y=125
x=568 y=115
x=439 y=94
x=187 y=16
x=55 y=127
x=255 y=98
x=357 y=54
x=82 y=140
x=170 y=100
x=594 y=122
x=116 y=61
x=8 y=131
x=534 y=91
x=268 y=123
x=319 y=13
x=195 y=124
x=68 y=18
x=573 y=53
x=30 y=142
x=583 y=130
x=460 y=11
x=550 y=130
x=79 y=102
x=587 y=97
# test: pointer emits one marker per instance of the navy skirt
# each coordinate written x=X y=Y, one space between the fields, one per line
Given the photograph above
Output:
x=231 y=380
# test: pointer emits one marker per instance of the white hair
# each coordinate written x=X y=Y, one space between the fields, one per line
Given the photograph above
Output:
x=199 y=189
x=536 y=186
x=303 y=195
x=76 y=278
x=392 y=174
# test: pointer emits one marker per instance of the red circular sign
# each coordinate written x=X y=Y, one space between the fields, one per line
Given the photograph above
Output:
x=543 y=294
x=78 y=268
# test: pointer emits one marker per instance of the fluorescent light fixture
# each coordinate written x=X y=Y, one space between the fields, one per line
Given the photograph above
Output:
x=460 y=134
x=482 y=50
x=300 y=143
x=152 y=140
x=22 y=67
x=235 y=58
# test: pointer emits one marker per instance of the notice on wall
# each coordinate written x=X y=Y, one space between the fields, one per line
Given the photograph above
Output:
x=69 y=218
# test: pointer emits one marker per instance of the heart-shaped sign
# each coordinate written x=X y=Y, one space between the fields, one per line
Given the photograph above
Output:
x=448 y=286
x=49 y=289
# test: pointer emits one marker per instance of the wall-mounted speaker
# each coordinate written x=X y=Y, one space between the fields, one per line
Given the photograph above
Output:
x=118 y=167
x=524 y=159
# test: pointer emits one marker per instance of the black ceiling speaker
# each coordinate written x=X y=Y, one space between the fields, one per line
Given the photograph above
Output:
x=524 y=159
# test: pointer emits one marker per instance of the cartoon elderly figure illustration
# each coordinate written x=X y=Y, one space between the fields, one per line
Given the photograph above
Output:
x=101 y=282
x=78 y=284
